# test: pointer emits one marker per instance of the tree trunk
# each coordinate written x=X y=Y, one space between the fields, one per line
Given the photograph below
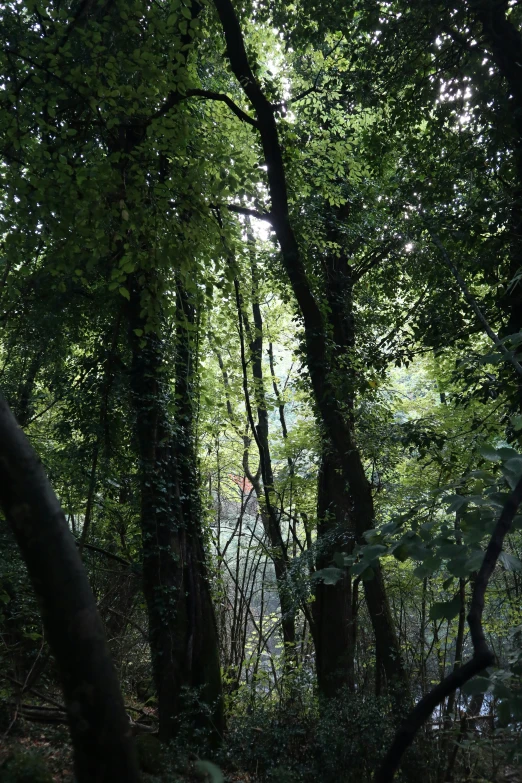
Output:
x=334 y=625
x=100 y=731
x=330 y=407
x=204 y=670
x=182 y=630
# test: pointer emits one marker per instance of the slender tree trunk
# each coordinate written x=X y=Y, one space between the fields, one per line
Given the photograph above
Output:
x=281 y=560
x=100 y=730
x=24 y=401
x=203 y=663
x=265 y=492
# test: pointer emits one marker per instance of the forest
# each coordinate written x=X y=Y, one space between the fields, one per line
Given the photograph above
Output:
x=260 y=391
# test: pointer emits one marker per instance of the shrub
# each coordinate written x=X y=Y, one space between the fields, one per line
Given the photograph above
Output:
x=25 y=767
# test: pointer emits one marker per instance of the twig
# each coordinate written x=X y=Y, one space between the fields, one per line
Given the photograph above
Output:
x=130 y=622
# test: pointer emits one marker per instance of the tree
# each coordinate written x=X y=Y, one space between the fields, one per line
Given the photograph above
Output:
x=99 y=726
x=338 y=429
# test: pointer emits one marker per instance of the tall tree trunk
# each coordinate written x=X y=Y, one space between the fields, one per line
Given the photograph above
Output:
x=182 y=629
x=335 y=629
x=330 y=408
x=100 y=729
x=204 y=668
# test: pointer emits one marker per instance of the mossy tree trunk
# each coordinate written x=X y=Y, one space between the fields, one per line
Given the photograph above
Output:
x=182 y=628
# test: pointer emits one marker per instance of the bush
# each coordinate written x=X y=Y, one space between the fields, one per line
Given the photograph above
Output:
x=25 y=767
x=339 y=740
x=352 y=734
x=150 y=754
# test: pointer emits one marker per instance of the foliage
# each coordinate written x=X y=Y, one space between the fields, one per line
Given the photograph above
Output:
x=133 y=175
x=25 y=767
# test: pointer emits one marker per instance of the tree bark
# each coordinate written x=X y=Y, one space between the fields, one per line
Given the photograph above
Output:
x=333 y=630
x=100 y=730
x=182 y=629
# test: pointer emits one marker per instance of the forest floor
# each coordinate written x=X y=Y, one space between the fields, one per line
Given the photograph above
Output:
x=52 y=743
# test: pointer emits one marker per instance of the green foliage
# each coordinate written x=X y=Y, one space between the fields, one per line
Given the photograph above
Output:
x=340 y=739
x=23 y=766
x=150 y=754
x=398 y=137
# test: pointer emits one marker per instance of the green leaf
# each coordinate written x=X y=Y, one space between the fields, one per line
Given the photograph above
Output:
x=458 y=566
x=329 y=575
x=445 y=610
x=370 y=534
x=208 y=769
x=373 y=551
x=401 y=551
x=489 y=453
x=124 y=292
x=516 y=422
x=420 y=552
x=501 y=690
x=359 y=568
x=476 y=686
x=510 y=562
x=485 y=475
x=514 y=464
x=448 y=551
x=507 y=453
x=474 y=562
x=422 y=571
x=457 y=501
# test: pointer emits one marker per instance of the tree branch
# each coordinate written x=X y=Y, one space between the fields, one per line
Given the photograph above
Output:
x=245 y=211
x=482 y=655
x=111 y=555
x=220 y=96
